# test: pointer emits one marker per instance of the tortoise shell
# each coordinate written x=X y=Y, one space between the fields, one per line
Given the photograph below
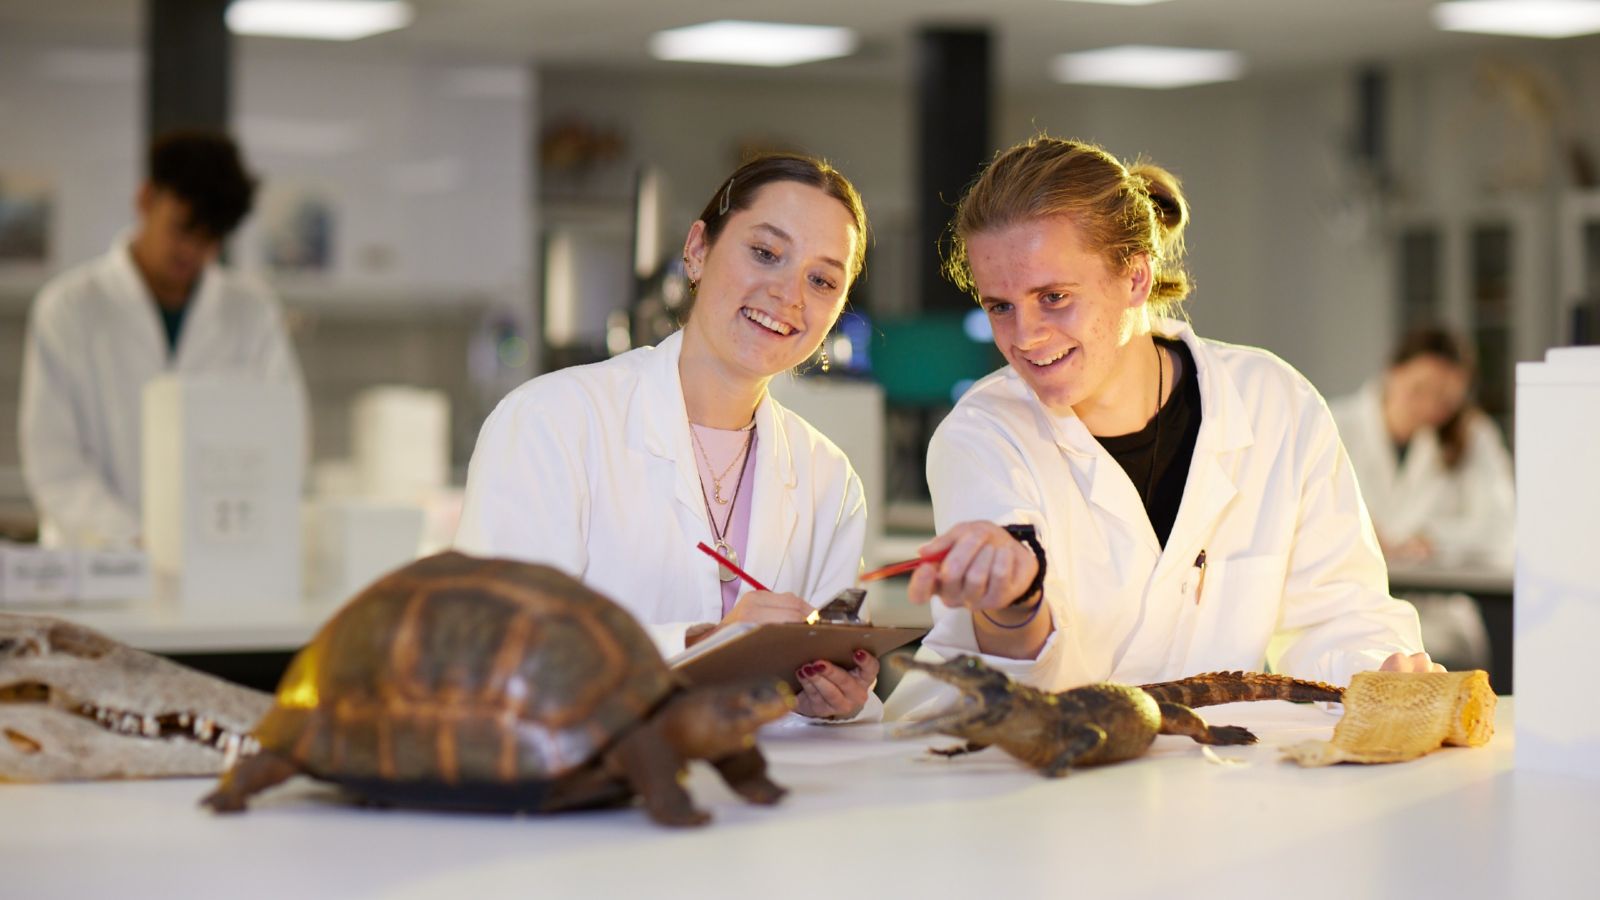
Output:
x=456 y=670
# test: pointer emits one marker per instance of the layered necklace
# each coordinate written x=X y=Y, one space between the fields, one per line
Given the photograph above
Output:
x=719 y=534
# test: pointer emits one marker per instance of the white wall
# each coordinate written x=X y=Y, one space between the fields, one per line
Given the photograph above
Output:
x=1288 y=249
x=428 y=165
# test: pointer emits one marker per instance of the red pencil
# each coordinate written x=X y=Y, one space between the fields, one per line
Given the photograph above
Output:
x=731 y=567
x=900 y=568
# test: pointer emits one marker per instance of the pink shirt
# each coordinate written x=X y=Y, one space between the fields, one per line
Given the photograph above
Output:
x=723 y=447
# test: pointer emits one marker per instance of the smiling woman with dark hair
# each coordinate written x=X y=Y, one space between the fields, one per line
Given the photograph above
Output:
x=614 y=472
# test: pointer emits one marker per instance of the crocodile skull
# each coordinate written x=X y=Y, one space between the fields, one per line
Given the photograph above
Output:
x=75 y=704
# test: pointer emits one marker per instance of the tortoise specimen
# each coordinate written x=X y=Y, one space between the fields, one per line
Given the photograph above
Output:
x=492 y=684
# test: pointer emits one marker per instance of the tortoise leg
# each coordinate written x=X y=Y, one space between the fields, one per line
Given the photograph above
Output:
x=1179 y=719
x=968 y=747
x=249 y=776
x=746 y=773
x=1080 y=742
x=652 y=768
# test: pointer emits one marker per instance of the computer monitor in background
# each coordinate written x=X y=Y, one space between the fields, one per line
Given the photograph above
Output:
x=929 y=360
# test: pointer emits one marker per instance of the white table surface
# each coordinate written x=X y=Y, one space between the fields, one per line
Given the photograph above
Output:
x=866 y=817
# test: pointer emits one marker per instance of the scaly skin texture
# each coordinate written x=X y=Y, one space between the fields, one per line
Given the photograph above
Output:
x=1097 y=723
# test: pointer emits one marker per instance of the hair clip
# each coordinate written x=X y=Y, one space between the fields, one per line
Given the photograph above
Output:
x=727 y=194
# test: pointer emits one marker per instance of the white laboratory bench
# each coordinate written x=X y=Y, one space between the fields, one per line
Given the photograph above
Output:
x=866 y=817
x=159 y=629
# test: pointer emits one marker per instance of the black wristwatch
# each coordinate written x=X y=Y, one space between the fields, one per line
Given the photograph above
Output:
x=1027 y=535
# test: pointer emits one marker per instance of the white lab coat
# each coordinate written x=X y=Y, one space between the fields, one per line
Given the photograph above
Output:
x=1270 y=498
x=1467 y=513
x=591 y=470
x=94 y=339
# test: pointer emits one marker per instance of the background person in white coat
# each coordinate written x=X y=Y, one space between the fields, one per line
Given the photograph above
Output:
x=1193 y=506
x=1436 y=476
x=156 y=303
x=1433 y=469
x=615 y=471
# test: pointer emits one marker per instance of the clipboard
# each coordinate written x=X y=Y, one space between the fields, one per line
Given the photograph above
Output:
x=777 y=650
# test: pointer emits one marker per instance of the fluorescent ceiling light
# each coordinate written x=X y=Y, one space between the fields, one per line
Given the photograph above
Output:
x=752 y=43
x=323 y=20
x=1134 y=65
x=1523 y=18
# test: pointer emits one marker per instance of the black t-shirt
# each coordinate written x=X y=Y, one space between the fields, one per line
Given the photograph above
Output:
x=1160 y=470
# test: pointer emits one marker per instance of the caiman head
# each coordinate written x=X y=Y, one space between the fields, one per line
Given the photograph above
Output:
x=983 y=693
x=75 y=704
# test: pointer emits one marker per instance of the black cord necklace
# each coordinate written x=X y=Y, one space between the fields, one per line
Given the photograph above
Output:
x=1155 y=450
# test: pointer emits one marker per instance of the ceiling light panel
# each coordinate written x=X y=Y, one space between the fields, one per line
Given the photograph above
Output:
x=752 y=43
x=1141 y=66
x=1521 y=18
x=322 y=20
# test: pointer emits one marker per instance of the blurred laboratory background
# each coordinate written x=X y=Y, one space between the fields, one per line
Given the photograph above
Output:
x=457 y=195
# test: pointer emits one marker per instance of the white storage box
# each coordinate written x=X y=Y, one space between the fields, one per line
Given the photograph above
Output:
x=112 y=576
x=400 y=438
x=1556 y=598
x=349 y=543
x=32 y=576
x=223 y=467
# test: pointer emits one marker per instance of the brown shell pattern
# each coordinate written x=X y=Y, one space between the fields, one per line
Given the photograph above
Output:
x=463 y=670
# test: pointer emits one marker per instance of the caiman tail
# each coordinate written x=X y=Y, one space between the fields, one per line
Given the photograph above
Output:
x=1213 y=688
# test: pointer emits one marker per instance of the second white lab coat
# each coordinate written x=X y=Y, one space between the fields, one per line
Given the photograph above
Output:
x=1467 y=513
x=94 y=339
x=592 y=470
x=1294 y=578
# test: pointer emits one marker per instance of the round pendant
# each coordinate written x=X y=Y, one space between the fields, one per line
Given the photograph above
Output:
x=723 y=572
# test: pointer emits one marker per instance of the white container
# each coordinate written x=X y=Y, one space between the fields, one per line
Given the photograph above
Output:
x=223 y=467
x=112 y=576
x=1556 y=595
x=400 y=441
x=350 y=543
x=34 y=577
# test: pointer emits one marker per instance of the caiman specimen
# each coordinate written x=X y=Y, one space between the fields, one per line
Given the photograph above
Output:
x=1096 y=723
x=76 y=705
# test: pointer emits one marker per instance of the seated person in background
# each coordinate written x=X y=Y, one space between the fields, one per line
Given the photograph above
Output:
x=1193 y=508
x=1433 y=468
x=1436 y=477
x=613 y=472
x=156 y=303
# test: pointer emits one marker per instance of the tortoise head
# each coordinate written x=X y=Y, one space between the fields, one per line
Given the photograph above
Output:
x=712 y=721
x=752 y=704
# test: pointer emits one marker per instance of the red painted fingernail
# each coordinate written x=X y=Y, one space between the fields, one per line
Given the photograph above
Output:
x=800 y=672
x=861 y=655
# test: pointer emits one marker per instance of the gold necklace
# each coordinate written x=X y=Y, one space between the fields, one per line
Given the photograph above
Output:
x=719 y=536
x=716 y=480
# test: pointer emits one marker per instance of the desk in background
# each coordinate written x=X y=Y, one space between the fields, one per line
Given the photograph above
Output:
x=868 y=818
x=1490 y=590
x=253 y=651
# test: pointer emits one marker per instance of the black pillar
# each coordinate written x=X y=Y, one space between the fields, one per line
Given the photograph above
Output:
x=188 y=65
x=953 y=88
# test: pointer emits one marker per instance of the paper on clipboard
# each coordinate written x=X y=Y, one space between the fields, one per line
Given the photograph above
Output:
x=747 y=650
